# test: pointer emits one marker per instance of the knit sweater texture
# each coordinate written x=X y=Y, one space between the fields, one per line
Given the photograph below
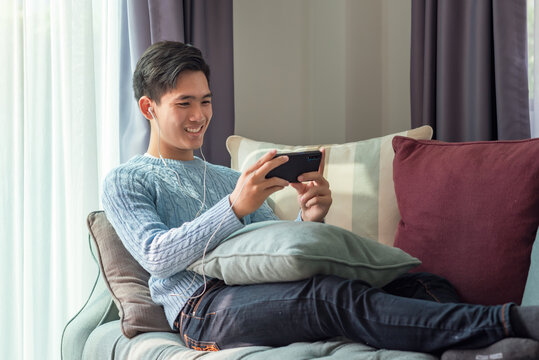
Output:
x=154 y=216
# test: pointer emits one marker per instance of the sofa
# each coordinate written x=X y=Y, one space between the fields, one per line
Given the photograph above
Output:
x=466 y=211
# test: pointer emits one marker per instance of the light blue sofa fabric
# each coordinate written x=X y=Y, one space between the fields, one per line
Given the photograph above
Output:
x=107 y=342
x=531 y=292
x=100 y=309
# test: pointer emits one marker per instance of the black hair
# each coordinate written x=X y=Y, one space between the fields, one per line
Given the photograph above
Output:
x=159 y=66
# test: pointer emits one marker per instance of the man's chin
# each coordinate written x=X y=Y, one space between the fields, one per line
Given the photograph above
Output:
x=191 y=146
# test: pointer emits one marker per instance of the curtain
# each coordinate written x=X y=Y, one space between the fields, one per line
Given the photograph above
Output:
x=533 y=70
x=206 y=24
x=59 y=71
x=469 y=69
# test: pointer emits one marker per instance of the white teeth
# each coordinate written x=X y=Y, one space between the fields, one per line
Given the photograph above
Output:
x=193 y=130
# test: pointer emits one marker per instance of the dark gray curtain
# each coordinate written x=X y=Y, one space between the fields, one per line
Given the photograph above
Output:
x=469 y=69
x=207 y=24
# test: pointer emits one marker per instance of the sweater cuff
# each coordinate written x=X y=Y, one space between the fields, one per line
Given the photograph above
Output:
x=225 y=214
x=300 y=219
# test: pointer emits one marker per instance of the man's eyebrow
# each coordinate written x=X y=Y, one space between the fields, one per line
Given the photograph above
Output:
x=192 y=97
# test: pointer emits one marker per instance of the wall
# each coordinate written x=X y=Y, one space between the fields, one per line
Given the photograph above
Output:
x=317 y=71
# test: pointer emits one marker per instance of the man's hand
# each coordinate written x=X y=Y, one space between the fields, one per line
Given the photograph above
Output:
x=252 y=188
x=314 y=197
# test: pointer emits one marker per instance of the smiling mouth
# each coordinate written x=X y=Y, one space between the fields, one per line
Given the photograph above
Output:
x=194 y=130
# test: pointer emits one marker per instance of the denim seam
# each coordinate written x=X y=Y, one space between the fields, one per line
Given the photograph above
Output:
x=426 y=287
x=181 y=324
x=506 y=324
x=195 y=308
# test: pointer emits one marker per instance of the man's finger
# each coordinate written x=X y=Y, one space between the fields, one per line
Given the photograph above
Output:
x=267 y=156
x=271 y=164
x=313 y=176
x=300 y=188
x=275 y=181
x=311 y=193
x=322 y=161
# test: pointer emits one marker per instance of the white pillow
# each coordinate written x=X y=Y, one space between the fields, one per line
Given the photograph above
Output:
x=361 y=181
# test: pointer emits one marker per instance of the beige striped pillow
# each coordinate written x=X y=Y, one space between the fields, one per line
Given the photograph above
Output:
x=360 y=175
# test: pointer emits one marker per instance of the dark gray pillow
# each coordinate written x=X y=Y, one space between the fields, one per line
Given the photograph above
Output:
x=126 y=280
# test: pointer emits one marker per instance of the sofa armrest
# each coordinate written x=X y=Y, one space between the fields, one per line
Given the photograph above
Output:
x=98 y=309
x=531 y=292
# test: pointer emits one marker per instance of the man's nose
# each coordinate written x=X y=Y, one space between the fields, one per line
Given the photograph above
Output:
x=196 y=113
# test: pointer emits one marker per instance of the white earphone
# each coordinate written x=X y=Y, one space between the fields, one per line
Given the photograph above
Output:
x=150 y=110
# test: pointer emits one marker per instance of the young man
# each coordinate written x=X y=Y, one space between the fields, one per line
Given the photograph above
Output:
x=169 y=207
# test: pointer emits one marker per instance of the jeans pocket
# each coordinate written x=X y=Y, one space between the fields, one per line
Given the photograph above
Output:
x=200 y=345
x=193 y=329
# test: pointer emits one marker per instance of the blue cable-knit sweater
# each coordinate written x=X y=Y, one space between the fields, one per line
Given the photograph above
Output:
x=154 y=217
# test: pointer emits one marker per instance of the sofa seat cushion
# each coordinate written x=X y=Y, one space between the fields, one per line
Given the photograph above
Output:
x=107 y=342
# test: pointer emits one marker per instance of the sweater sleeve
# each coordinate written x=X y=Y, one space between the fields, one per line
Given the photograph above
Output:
x=129 y=204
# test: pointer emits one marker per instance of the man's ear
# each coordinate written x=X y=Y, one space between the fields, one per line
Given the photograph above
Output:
x=144 y=103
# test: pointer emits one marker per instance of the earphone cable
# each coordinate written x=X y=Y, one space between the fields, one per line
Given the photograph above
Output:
x=207 y=245
x=203 y=203
x=203 y=184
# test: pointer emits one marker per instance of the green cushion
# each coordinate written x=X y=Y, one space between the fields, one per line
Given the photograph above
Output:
x=273 y=251
x=531 y=292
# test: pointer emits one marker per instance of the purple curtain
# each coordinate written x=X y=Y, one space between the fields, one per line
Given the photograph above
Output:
x=468 y=71
x=207 y=24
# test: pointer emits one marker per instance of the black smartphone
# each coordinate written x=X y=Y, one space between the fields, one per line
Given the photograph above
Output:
x=298 y=163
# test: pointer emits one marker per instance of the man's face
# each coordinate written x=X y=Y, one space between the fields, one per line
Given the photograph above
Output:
x=184 y=115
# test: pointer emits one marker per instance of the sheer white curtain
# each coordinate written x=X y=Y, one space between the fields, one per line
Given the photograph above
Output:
x=59 y=136
x=533 y=69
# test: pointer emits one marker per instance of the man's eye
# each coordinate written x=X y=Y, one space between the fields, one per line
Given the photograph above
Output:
x=183 y=104
x=206 y=102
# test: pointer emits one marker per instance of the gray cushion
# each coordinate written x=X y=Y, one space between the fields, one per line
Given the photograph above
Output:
x=273 y=251
x=126 y=280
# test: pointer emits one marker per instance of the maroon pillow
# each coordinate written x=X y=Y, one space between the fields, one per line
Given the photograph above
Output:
x=469 y=212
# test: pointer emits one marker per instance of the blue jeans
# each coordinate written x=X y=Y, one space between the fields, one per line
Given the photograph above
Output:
x=417 y=312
